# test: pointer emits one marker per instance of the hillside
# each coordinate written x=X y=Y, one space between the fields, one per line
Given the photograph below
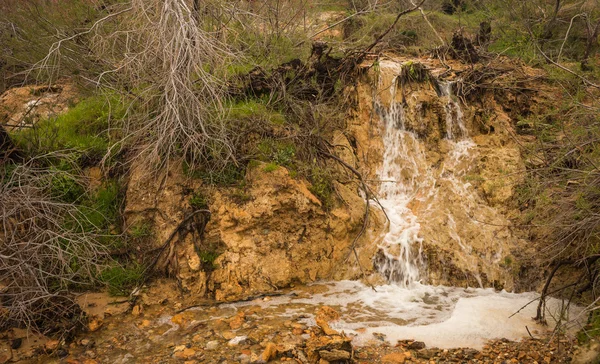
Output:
x=305 y=181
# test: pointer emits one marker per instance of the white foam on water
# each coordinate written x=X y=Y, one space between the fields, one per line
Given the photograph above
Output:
x=442 y=317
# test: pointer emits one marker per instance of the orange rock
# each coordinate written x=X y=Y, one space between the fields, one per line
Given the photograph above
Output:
x=95 y=324
x=137 y=310
x=52 y=345
x=325 y=327
x=237 y=321
x=327 y=314
x=394 y=358
x=182 y=319
x=269 y=353
x=185 y=353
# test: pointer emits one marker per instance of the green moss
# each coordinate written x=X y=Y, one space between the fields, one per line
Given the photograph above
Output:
x=83 y=130
x=281 y=153
x=270 y=167
x=65 y=188
x=591 y=330
x=101 y=209
x=322 y=187
x=255 y=110
x=140 y=230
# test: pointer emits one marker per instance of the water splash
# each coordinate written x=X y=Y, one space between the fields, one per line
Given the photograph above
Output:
x=403 y=175
x=408 y=178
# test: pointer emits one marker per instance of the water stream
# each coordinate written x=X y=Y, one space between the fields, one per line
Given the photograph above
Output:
x=406 y=307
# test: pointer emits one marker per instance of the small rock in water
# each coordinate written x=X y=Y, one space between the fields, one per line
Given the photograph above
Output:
x=394 y=358
x=52 y=345
x=416 y=345
x=185 y=354
x=236 y=340
x=228 y=335
x=333 y=355
x=269 y=353
x=95 y=324
x=212 y=345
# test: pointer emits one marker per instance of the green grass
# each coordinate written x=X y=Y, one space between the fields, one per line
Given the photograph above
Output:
x=140 y=230
x=255 y=110
x=83 y=129
x=101 y=209
x=322 y=187
x=198 y=201
x=279 y=152
x=121 y=279
x=270 y=167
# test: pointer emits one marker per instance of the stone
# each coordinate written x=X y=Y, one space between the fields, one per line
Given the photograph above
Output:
x=212 y=345
x=179 y=348
x=51 y=345
x=269 y=353
x=237 y=321
x=236 y=340
x=416 y=345
x=325 y=327
x=394 y=358
x=228 y=335
x=333 y=355
x=186 y=353
x=95 y=324
x=137 y=310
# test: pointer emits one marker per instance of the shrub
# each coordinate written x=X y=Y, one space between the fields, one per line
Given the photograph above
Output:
x=322 y=187
x=45 y=254
x=198 y=201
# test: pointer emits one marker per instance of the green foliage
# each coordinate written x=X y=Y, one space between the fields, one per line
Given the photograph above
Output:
x=121 y=279
x=279 y=152
x=208 y=257
x=101 y=209
x=270 y=167
x=254 y=110
x=591 y=330
x=140 y=230
x=198 y=201
x=322 y=186
x=66 y=188
x=83 y=130
x=227 y=176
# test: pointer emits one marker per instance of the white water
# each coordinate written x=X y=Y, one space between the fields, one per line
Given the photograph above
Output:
x=407 y=177
x=443 y=317
x=405 y=308
x=399 y=258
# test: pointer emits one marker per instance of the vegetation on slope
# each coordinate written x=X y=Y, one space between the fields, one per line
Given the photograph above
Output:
x=221 y=84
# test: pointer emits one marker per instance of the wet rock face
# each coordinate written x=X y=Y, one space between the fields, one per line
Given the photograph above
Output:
x=278 y=235
x=458 y=177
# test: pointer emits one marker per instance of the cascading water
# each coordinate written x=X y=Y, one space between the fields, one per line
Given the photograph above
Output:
x=420 y=191
x=405 y=177
x=400 y=258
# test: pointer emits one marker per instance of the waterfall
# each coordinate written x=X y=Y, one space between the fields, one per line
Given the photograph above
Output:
x=405 y=178
x=400 y=255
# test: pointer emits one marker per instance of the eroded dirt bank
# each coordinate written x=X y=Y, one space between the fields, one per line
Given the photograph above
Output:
x=274 y=237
